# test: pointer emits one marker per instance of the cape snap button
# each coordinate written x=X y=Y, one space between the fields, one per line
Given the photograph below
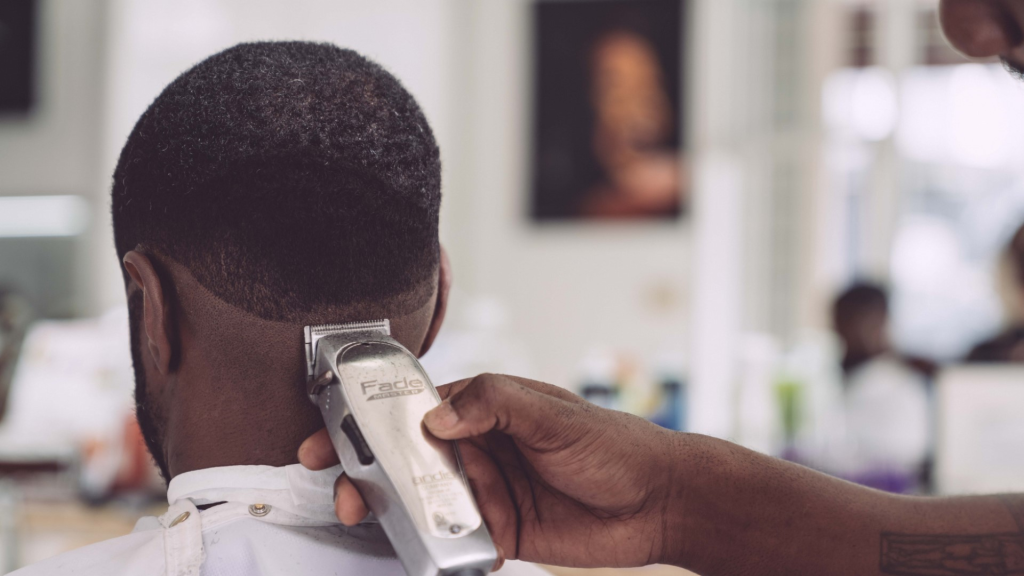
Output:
x=181 y=518
x=259 y=509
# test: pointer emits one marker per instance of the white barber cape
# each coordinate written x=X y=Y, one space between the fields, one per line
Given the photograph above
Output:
x=273 y=521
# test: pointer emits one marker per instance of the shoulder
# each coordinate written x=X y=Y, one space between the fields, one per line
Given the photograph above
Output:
x=998 y=348
x=140 y=553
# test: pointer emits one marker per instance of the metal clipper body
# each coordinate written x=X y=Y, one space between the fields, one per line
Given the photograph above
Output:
x=373 y=395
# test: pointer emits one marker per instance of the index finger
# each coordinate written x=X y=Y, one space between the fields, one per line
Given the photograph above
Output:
x=317 y=452
x=549 y=389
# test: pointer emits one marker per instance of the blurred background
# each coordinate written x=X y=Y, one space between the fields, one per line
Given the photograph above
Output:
x=787 y=223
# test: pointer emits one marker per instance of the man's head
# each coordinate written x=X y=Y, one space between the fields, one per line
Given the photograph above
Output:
x=860 y=316
x=986 y=28
x=272 y=186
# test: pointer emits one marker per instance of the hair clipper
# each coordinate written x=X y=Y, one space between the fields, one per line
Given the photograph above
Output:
x=373 y=395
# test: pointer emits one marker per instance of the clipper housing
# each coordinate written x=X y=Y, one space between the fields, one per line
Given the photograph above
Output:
x=373 y=395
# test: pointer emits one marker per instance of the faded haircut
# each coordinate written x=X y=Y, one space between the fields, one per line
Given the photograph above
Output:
x=287 y=177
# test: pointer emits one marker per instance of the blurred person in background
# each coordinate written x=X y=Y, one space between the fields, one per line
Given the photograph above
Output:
x=860 y=316
x=273 y=186
x=886 y=396
x=1007 y=346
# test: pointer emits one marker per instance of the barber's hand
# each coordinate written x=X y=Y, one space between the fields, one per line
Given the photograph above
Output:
x=558 y=480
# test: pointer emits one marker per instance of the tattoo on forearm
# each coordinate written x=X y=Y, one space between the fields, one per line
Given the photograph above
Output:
x=957 y=555
x=949 y=555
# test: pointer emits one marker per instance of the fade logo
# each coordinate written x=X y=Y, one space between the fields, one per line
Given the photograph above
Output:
x=381 y=390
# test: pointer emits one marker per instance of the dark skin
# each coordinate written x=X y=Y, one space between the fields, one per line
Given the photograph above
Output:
x=564 y=482
x=228 y=387
x=985 y=28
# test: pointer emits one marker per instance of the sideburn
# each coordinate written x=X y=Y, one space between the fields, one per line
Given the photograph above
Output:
x=146 y=413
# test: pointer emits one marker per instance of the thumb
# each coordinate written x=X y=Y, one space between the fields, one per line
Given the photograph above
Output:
x=491 y=402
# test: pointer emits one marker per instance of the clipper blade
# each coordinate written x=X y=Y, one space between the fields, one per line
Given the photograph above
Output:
x=314 y=333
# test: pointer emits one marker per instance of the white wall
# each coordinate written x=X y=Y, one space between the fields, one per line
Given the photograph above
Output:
x=570 y=287
x=55 y=149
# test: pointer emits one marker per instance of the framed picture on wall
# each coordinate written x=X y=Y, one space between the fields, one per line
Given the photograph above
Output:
x=17 y=55
x=608 y=110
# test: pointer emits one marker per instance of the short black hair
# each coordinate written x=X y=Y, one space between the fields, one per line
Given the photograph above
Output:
x=287 y=177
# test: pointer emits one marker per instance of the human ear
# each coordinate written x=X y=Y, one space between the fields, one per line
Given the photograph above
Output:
x=156 y=315
x=444 y=285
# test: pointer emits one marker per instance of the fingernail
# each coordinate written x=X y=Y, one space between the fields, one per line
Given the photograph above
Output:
x=501 y=558
x=442 y=418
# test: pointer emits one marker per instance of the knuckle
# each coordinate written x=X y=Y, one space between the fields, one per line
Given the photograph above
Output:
x=486 y=378
x=476 y=385
x=474 y=394
x=480 y=380
x=483 y=387
x=488 y=397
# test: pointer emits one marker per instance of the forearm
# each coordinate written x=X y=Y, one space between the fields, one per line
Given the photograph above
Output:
x=737 y=512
